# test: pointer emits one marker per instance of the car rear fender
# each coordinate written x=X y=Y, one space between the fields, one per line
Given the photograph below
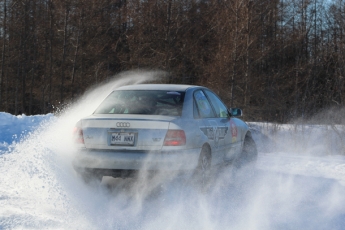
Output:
x=195 y=137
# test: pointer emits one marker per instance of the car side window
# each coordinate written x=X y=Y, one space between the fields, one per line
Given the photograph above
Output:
x=218 y=105
x=203 y=106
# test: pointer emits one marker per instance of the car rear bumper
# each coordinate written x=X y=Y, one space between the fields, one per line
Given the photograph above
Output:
x=96 y=159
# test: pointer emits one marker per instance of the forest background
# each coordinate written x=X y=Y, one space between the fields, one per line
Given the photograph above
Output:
x=278 y=60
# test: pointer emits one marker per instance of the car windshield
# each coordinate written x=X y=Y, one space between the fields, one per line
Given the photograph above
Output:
x=152 y=102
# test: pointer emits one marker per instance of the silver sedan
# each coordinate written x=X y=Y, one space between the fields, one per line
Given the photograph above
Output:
x=161 y=127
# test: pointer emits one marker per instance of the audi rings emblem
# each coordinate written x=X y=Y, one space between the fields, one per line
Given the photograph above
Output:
x=123 y=124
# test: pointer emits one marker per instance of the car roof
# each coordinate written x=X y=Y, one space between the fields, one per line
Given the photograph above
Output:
x=172 y=87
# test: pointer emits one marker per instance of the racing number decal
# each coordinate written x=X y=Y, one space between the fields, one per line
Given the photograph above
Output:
x=233 y=131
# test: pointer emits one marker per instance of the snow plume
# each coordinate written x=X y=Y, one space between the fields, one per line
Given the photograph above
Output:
x=302 y=172
x=87 y=103
x=301 y=139
x=40 y=190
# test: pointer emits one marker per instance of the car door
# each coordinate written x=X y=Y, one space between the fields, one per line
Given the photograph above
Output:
x=215 y=122
x=224 y=122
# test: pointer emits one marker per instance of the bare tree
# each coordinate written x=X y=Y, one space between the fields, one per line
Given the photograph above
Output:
x=3 y=62
x=64 y=50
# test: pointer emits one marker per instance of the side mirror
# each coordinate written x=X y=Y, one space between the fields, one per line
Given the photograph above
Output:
x=235 y=112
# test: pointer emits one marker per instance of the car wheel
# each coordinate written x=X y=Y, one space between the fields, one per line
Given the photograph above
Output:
x=248 y=155
x=203 y=170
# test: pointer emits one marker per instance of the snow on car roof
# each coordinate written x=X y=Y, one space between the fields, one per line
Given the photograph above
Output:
x=172 y=87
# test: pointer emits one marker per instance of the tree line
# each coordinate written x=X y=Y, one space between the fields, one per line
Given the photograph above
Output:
x=278 y=60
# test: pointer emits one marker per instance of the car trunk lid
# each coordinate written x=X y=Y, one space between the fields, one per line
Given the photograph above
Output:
x=130 y=132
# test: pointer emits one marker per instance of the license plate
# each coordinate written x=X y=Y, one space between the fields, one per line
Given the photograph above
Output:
x=122 y=139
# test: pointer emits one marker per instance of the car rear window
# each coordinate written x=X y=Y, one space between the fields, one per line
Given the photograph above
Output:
x=152 y=102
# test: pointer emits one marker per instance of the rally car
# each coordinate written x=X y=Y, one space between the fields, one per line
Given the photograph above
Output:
x=156 y=127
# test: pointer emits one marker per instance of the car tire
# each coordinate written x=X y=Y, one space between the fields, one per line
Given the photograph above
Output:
x=249 y=154
x=203 y=170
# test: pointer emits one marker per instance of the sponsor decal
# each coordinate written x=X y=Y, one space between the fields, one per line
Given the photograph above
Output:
x=233 y=131
x=214 y=132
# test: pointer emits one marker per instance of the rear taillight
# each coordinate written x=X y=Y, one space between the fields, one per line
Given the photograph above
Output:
x=175 y=138
x=78 y=135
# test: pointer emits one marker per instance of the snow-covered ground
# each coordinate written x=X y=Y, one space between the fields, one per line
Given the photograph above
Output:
x=298 y=183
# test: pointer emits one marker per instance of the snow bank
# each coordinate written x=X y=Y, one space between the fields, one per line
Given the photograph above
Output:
x=15 y=128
